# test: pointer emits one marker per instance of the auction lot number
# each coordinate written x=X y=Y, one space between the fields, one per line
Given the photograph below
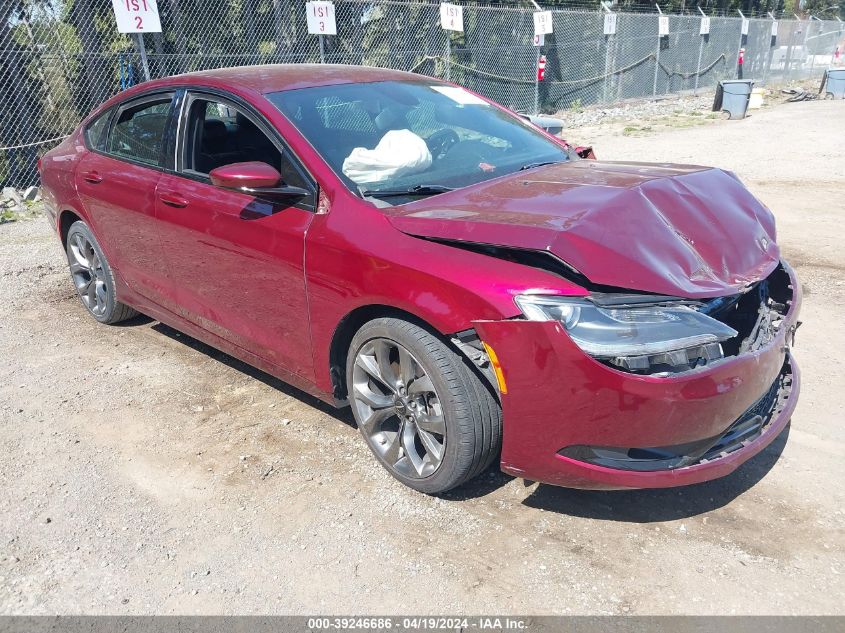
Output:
x=421 y=623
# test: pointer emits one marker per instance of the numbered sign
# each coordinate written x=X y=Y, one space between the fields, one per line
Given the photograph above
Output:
x=320 y=18
x=451 y=17
x=663 y=25
x=745 y=24
x=539 y=40
x=136 y=16
x=542 y=22
x=774 y=28
x=704 y=29
x=610 y=24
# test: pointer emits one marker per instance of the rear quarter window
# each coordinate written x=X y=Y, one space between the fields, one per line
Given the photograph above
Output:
x=95 y=132
x=138 y=131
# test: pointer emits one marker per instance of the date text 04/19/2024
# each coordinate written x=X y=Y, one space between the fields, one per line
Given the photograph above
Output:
x=420 y=623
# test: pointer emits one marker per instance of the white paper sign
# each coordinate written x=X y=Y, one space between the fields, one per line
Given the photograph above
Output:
x=610 y=24
x=745 y=24
x=704 y=29
x=774 y=28
x=542 y=22
x=136 y=16
x=451 y=17
x=320 y=17
x=539 y=40
x=459 y=95
x=663 y=25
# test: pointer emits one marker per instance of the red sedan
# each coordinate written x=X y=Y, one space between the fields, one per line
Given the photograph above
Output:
x=463 y=280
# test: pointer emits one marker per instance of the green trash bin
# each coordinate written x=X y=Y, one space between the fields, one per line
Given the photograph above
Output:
x=732 y=96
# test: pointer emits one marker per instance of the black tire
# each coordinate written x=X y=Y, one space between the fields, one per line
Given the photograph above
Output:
x=472 y=414
x=105 y=307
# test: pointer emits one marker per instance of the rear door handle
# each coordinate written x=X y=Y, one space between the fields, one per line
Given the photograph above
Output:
x=93 y=177
x=173 y=200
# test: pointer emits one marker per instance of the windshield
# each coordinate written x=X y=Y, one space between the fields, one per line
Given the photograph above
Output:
x=398 y=140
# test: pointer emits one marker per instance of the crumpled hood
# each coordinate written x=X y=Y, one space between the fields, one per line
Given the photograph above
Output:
x=667 y=229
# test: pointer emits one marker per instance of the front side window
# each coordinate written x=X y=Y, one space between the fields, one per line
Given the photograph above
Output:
x=392 y=136
x=138 y=132
x=220 y=134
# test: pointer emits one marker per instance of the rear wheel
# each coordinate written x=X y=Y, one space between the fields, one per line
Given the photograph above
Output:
x=92 y=276
x=424 y=413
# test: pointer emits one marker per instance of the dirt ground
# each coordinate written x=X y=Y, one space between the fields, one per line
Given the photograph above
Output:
x=143 y=472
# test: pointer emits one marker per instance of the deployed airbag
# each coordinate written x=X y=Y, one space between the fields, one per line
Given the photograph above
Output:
x=398 y=153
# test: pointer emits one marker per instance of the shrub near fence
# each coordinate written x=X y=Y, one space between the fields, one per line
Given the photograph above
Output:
x=57 y=60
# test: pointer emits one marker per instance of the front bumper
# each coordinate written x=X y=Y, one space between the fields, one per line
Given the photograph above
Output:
x=559 y=398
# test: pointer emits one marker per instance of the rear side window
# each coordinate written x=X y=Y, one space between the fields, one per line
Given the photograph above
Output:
x=138 y=131
x=95 y=133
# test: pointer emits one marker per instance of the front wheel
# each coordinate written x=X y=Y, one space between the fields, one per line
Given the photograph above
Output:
x=93 y=276
x=425 y=414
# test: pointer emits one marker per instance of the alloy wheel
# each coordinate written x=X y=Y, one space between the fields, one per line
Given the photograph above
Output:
x=398 y=409
x=88 y=274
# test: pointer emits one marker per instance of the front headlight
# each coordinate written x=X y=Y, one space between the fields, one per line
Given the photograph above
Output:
x=633 y=337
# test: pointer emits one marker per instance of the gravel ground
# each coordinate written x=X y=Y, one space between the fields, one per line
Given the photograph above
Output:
x=670 y=110
x=147 y=473
x=631 y=111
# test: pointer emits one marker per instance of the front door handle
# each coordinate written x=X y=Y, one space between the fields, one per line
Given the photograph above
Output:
x=173 y=200
x=93 y=177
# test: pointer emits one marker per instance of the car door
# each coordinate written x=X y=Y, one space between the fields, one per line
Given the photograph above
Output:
x=116 y=182
x=236 y=261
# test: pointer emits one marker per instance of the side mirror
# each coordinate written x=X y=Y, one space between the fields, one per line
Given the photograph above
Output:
x=254 y=178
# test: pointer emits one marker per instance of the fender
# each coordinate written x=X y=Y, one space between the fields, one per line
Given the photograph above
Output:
x=380 y=267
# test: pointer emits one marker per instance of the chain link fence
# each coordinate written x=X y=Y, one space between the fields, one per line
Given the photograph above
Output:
x=60 y=59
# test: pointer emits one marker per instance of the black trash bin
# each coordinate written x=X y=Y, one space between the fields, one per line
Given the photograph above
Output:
x=732 y=96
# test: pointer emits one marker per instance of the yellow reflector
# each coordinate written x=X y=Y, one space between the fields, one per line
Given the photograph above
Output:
x=497 y=368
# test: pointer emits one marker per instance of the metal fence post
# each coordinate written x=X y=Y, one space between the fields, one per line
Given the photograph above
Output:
x=657 y=55
x=656 y=68
x=609 y=43
x=537 y=81
x=142 y=52
x=739 y=45
x=787 y=62
x=700 y=51
x=768 y=41
x=813 y=56
x=608 y=65
x=448 y=57
x=322 y=50
x=806 y=28
x=616 y=85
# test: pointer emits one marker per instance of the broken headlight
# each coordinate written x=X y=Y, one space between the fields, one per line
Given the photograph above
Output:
x=650 y=338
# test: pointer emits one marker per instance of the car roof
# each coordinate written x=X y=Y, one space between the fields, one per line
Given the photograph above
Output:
x=278 y=77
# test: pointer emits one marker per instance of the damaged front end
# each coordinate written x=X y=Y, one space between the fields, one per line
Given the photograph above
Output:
x=658 y=335
x=618 y=390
